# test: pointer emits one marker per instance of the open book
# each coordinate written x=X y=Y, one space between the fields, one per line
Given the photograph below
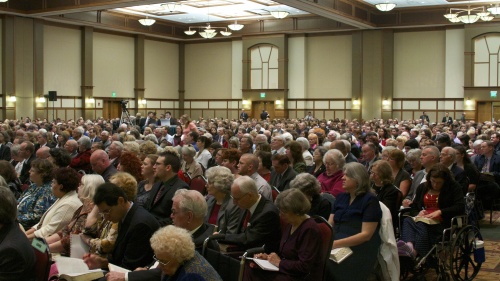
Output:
x=425 y=220
x=78 y=248
x=71 y=269
x=340 y=254
x=264 y=264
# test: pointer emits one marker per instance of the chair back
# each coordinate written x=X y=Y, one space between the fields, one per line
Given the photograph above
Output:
x=327 y=240
x=199 y=184
x=42 y=254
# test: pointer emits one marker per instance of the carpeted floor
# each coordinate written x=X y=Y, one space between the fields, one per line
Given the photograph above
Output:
x=490 y=269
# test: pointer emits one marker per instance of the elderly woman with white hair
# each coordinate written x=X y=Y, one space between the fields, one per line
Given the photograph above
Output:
x=176 y=256
x=189 y=165
x=311 y=188
x=331 y=179
x=308 y=158
x=221 y=209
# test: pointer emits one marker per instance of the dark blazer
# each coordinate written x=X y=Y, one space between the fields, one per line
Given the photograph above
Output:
x=451 y=202
x=480 y=160
x=4 y=152
x=229 y=214
x=415 y=183
x=25 y=172
x=110 y=170
x=284 y=183
x=310 y=170
x=173 y=122
x=263 y=228
x=132 y=248
x=96 y=139
x=391 y=196
x=142 y=122
x=448 y=120
x=17 y=259
x=199 y=237
x=49 y=145
x=350 y=158
x=460 y=176
x=320 y=206
x=161 y=210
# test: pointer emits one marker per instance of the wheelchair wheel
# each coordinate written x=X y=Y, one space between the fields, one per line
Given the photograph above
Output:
x=462 y=264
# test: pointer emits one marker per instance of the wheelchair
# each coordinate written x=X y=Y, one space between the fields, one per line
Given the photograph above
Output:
x=454 y=256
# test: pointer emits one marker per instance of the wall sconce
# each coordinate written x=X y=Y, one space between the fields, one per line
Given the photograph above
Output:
x=468 y=101
x=91 y=100
x=278 y=102
x=12 y=98
x=40 y=99
x=245 y=102
x=356 y=101
x=386 y=101
x=143 y=101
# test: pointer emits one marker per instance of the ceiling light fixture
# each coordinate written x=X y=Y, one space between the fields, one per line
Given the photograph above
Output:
x=279 y=14
x=495 y=10
x=171 y=6
x=385 y=7
x=3 y=1
x=208 y=31
x=235 y=26
x=147 y=21
x=469 y=15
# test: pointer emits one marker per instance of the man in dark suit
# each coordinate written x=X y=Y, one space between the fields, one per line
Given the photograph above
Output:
x=264 y=115
x=159 y=203
x=448 y=157
x=145 y=121
x=17 y=260
x=99 y=161
x=191 y=218
x=282 y=173
x=424 y=117
x=136 y=226
x=447 y=119
x=488 y=164
x=344 y=146
x=27 y=152
x=243 y=115
x=93 y=136
x=369 y=154
x=4 y=149
x=42 y=140
x=260 y=224
x=168 y=120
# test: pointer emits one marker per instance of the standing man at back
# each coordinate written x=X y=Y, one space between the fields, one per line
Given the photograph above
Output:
x=243 y=115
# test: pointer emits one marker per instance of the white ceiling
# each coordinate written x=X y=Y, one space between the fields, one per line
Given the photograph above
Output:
x=422 y=3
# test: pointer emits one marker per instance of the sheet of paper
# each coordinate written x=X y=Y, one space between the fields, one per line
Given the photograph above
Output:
x=117 y=268
x=264 y=264
x=78 y=247
x=70 y=266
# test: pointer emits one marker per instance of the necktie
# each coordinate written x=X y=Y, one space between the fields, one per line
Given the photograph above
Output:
x=246 y=220
x=158 y=195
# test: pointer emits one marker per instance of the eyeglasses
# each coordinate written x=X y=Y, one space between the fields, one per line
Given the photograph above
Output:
x=105 y=212
x=238 y=199
x=160 y=262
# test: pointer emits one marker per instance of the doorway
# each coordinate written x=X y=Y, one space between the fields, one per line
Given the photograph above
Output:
x=488 y=111
x=111 y=109
x=258 y=106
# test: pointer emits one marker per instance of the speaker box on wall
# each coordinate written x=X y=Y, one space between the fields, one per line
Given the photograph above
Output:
x=52 y=95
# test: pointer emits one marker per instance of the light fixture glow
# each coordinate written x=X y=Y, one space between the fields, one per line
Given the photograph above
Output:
x=225 y=33
x=235 y=26
x=385 y=7
x=494 y=10
x=469 y=15
x=469 y=18
x=90 y=100
x=190 y=32
x=170 y=6
x=279 y=14
x=207 y=35
x=3 y=1
x=40 y=99
x=144 y=101
x=147 y=22
x=12 y=98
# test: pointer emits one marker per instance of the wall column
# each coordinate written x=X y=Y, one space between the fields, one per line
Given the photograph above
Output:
x=8 y=83
x=87 y=88
x=139 y=89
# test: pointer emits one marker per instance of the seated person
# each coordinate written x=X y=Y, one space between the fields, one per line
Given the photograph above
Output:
x=311 y=188
x=259 y=224
x=135 y=227
x=387 y=193
x=331 y=179
x=17 y=259
x=64 y=187
x=222 y=211
x=298 y=257
x=189 y=165
x=38 y=198
x=440 y=198
x=189 y=209
x=355 y=218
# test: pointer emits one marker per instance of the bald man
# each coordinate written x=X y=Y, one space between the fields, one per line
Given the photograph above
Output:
x=43 y=152
x=99 y=161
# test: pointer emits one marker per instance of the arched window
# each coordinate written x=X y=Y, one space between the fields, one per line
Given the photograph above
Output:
x=486 y=60
x=264 y=67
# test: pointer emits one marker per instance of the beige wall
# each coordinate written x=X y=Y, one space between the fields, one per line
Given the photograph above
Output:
x=62 y=60
x=113 y=65
x=23 y=46
x=161 y=70
x=328 y=67
x=297 y=50
x=208 y=71
x=419 y=64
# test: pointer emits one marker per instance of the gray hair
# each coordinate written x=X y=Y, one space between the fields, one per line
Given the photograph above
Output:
x=347 y=144
x=152 y=138
x=293 y=201
x=304 y=143
x=336 y=156
x=188 y=150
x=132 y=146
x=246 y=185
x=85 y=141
x=221 y=177
x=118 y=145
x=451 y=151
x=358 y=172
x=173 y=240
x=79 y=130
x=414 y=154
x=192 y=201
x=90 y=184
x=307 y=183
x=14 y=149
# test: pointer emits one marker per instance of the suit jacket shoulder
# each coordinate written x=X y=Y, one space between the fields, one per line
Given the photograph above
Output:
x=17 y=259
